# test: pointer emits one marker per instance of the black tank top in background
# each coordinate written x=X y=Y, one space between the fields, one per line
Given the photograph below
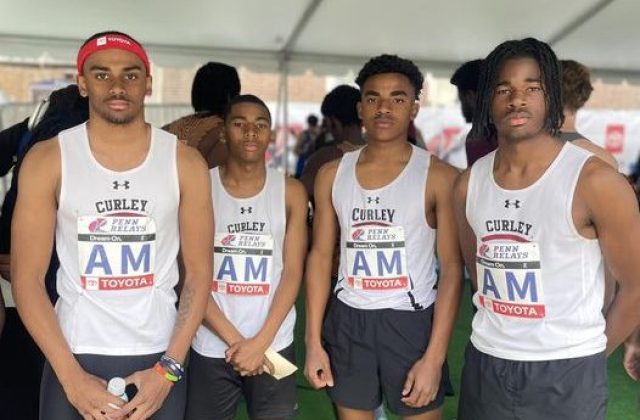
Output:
x=571 y=136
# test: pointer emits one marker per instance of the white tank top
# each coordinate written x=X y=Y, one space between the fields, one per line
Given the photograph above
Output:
x=247 y=262
x=117 y=240
x=540 y=283
x=386 y=246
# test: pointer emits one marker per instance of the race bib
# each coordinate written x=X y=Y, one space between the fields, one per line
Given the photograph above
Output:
x=509 y=279
x=242 y=264
x=376 y=259
x=116 y=252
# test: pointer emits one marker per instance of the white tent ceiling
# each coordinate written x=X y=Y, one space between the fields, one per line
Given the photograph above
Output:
x=327 y=35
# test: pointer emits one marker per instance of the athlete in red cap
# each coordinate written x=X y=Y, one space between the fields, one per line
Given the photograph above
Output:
x=120 y=197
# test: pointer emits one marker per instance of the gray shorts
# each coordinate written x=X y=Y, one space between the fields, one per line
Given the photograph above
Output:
x=371 y=352
x=215 y=390
x=565 y=389
x=55 y=406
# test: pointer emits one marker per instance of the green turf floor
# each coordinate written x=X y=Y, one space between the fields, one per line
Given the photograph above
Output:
x=624 y=394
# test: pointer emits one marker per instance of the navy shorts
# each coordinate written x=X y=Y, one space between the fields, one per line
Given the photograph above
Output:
x=371 y=353
x=215 y=390
x=500 y=389
x=55 y=406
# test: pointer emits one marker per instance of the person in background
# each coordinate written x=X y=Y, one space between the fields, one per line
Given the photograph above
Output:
x=341 y=120
x=305 y=143
x=214 y=85
x=20 y=385
x=576 y=90
x=465 y=78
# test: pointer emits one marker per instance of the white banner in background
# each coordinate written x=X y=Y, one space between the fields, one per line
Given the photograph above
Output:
x=444 y=132
x=617 y=131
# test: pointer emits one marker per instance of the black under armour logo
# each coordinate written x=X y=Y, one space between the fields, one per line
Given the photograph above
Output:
x=511 y=203
x=244 y=210
x=117 y=185
x=373 y=200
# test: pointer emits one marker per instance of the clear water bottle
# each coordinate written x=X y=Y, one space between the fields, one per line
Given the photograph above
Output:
x=116 y=386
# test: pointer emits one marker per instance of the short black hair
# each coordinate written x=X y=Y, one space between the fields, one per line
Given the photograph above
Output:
x=312 y=120
x=213 y=87
x=387 y=63
x=104 y=33
x=240 y=99
x=341 y=103
x=466 y=76
x=549 y=75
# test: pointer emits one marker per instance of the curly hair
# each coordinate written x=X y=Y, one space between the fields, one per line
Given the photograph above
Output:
x=386 y=63
x=341 y=103
x=549 y=75
x=576 y=84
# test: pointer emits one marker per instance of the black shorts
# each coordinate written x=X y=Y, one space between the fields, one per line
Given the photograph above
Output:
x=21 y=371
x=215 y=390
x=499 y=389
x=55 y=406
x=371 y=353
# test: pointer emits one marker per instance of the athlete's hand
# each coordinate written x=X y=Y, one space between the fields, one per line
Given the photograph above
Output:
x=246 y=356
x=267 y=366
x=317 y=369
x=422 y=383
x=152 y=391
x=89 y=395
x=631 y=359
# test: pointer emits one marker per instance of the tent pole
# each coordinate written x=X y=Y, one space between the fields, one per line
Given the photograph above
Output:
x=285 y=56
x=302 y=23
x=578 y=21
x=283 y=107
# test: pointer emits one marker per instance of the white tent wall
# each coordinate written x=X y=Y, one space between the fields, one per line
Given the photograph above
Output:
x=328 y=36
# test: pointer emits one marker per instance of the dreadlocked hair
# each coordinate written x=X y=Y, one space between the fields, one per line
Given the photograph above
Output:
x=550 y=76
